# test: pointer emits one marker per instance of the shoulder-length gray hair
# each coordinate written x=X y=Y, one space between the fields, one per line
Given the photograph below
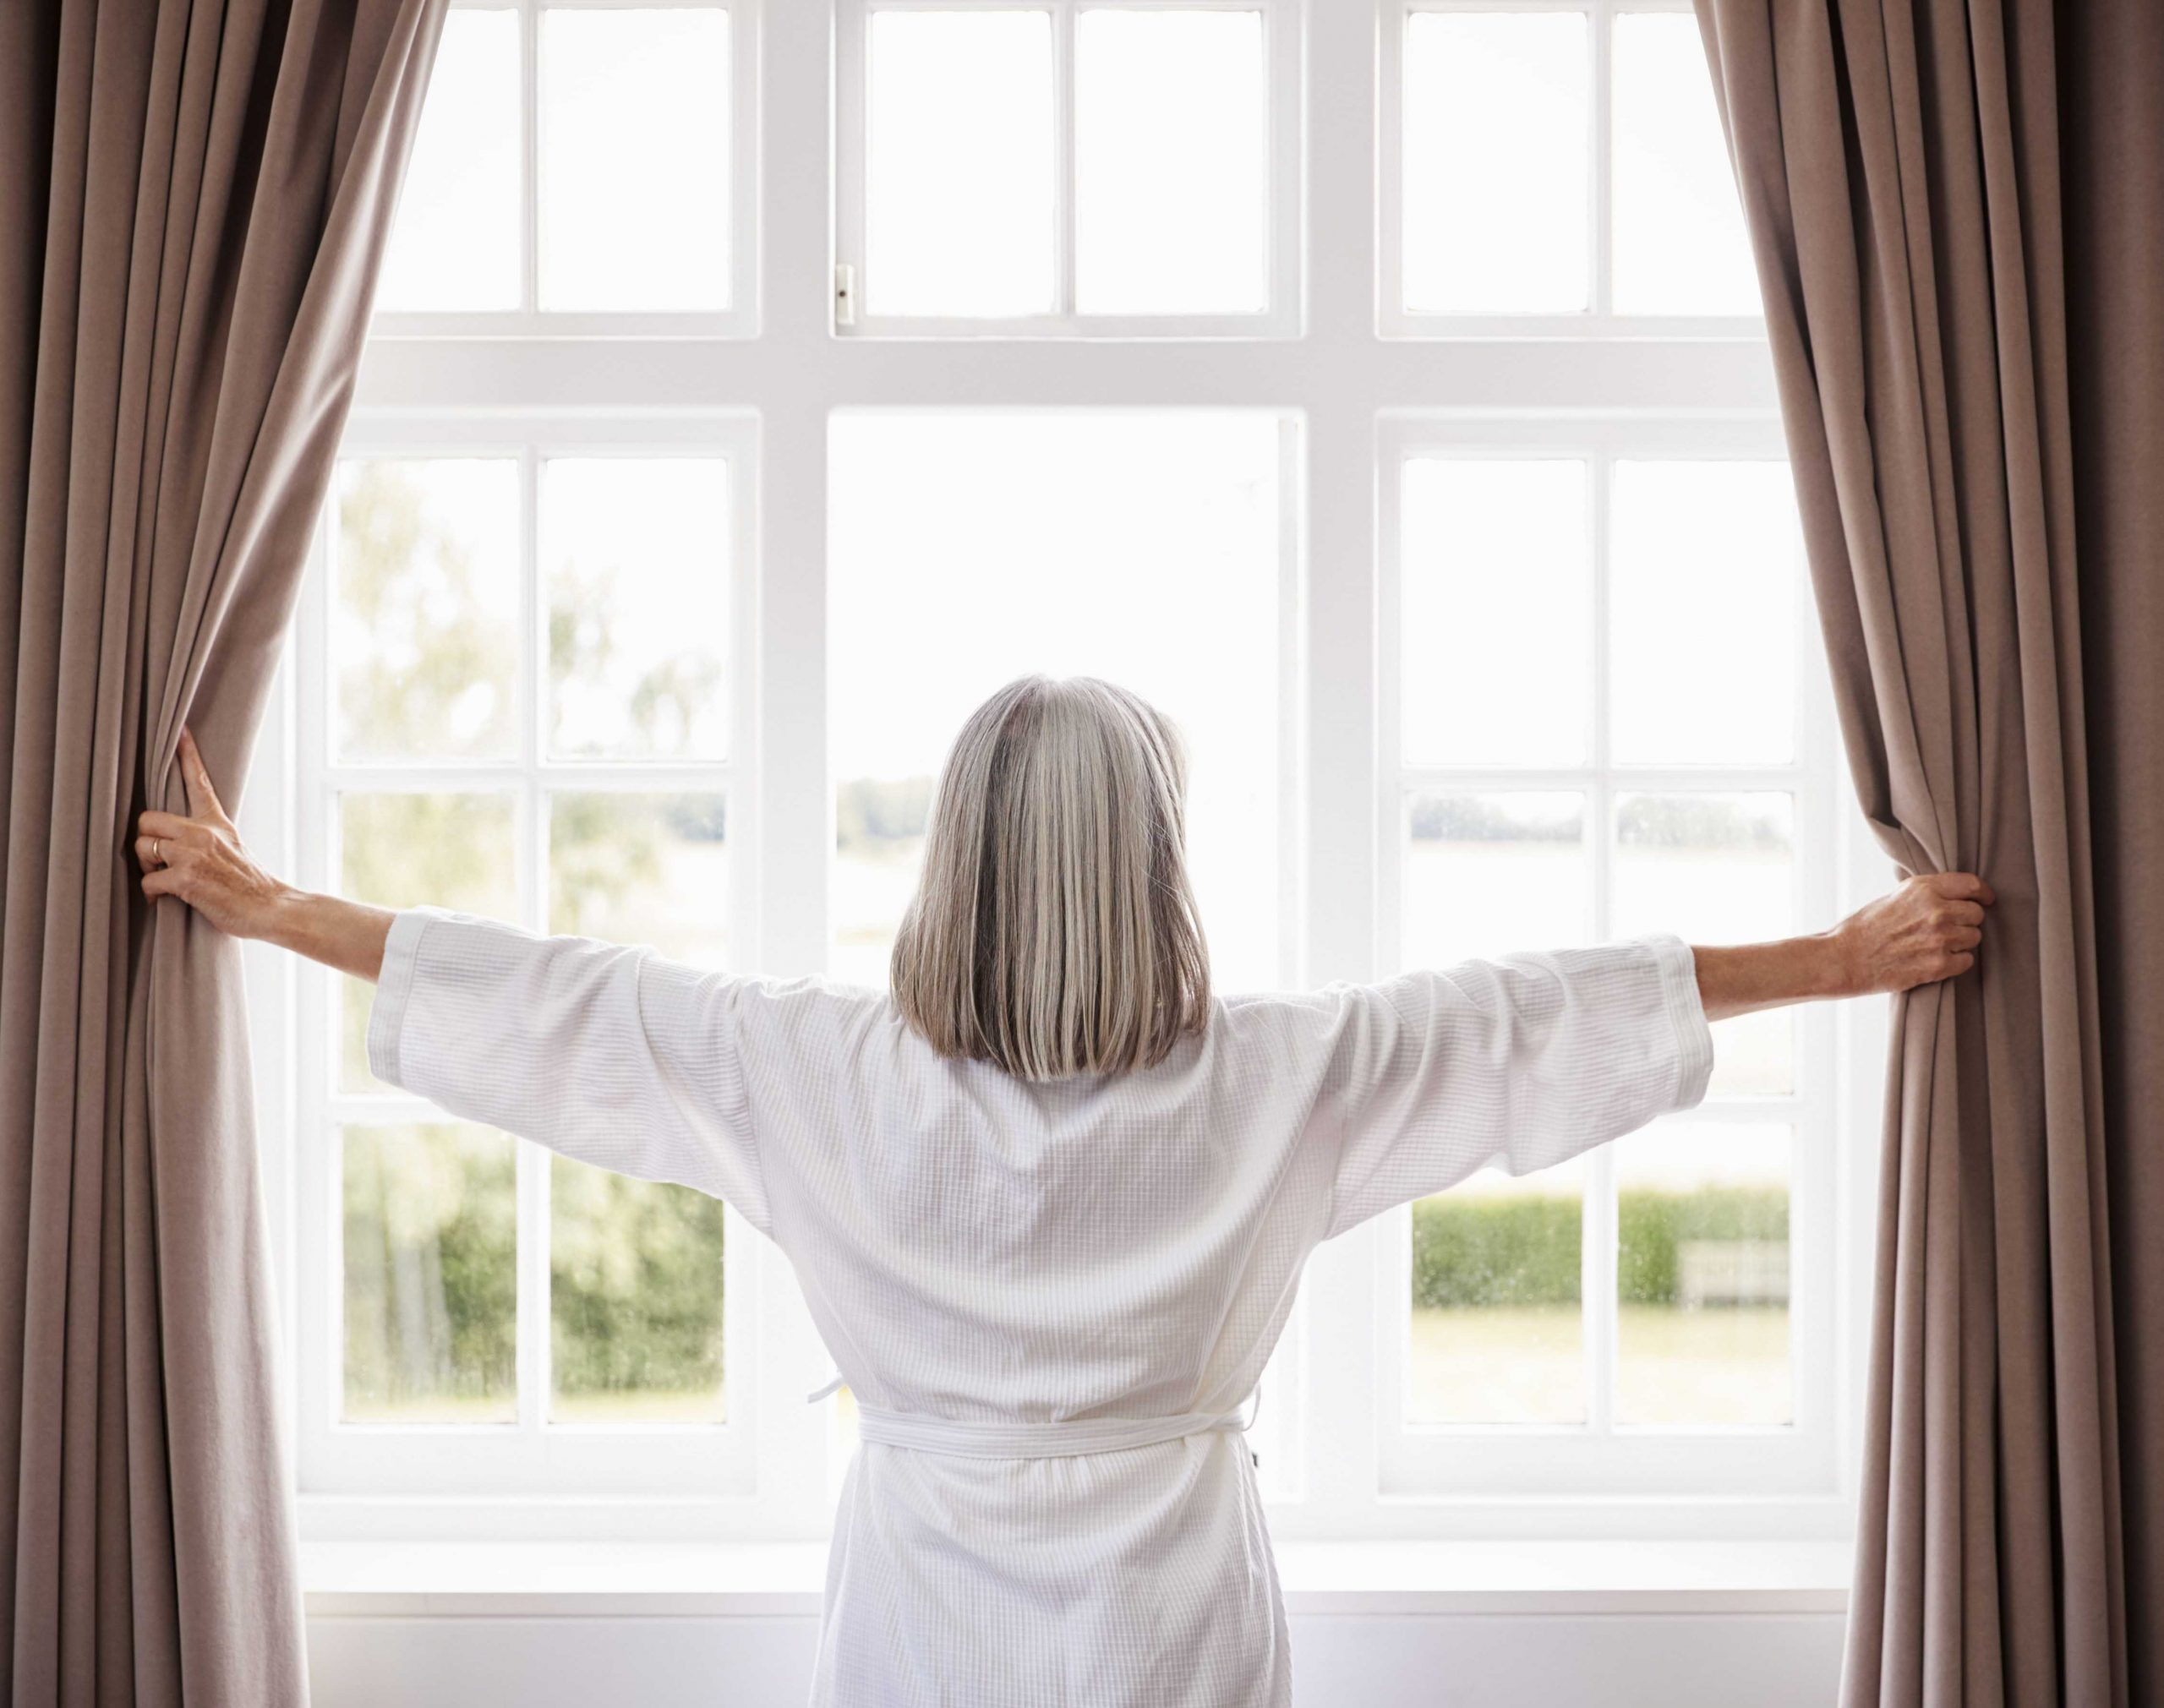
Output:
x=1053 y=931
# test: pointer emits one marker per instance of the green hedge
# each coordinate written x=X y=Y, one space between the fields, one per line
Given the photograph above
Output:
x=1470 y=1251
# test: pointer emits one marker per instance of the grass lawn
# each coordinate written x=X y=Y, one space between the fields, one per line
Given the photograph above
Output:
x=694 y=1406
x=1526 y=1365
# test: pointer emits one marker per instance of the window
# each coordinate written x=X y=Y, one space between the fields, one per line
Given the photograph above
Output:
x=524 y=662
x=1601 y=199
x=580 y=168
x=753 y=389
x=1090 y=169
x=1608 y=721
x=966 y=548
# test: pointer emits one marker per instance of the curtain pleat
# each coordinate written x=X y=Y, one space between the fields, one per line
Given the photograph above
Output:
x=2111 y=66
x=196 y=196
x=1902 y=171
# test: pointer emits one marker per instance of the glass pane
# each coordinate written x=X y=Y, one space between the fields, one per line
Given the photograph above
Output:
x=1495 y=612
x=959 y=184
x=1497 y=123
x=636 y=553
x=635 y=1299
x=1680 y=245
x=455 y=241
x=431 y=1274
x=1498 y=1334
x=1489 y=874
x=1702 y=1275
x=641 y=869
x=969 y=548
x=1715 y=869
x=1172 y=162
x=635 y=204
x=424 y=623
x=1705 y=598
x=403 y=850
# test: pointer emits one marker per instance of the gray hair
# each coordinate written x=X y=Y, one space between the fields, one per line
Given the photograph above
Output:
x=1053 y=931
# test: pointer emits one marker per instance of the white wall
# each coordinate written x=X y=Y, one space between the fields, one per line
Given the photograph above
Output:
x=1769 y=1660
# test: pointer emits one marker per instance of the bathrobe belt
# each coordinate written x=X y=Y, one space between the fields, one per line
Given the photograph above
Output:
x=994 y=1439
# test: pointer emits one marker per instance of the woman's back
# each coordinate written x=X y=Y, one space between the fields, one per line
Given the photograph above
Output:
x=980 y=1251
x=977 y=1245
x=1050 y=1297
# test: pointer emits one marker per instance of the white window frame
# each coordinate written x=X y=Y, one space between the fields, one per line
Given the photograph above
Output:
x=1599 y=319
x=1600 y=1455
x=1330 y=1465
x=1278 y=318
x=529 y=319
x=341 y=1456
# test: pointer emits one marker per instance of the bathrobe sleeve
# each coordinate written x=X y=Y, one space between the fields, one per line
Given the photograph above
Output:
x=615 y=1057
x=1516 y=1064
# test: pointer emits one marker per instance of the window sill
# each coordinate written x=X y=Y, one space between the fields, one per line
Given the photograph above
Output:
x=376 y=1580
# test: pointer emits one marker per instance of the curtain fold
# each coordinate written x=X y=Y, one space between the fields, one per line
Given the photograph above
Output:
x=195 y=197
x=1906 y=169
x=2111 y=67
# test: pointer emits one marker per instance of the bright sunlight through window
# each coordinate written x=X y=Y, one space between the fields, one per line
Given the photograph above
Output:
x=755 y=387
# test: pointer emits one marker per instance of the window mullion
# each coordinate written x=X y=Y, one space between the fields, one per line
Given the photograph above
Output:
x=529 y=152
x=1063 y=182
x=793 y=815
x=531 y=1187
x=1604 y=176
x=531 y=1183
x=1598 y=1286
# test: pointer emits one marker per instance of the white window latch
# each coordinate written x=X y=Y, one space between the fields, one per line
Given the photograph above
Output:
x=844 y=295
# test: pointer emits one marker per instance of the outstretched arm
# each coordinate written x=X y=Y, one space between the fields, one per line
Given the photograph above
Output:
x=610 y=1055
x=1927 y=930
x=1522 y=1063
x=200 y=859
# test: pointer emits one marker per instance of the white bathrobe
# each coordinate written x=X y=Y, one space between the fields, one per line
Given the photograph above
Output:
x=1051 y=1300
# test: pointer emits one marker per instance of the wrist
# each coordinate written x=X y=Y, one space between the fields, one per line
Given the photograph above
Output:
x=1838 y=973
x=282 y=919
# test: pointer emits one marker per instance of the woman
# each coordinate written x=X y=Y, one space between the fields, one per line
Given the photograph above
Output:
x=1049 y=1198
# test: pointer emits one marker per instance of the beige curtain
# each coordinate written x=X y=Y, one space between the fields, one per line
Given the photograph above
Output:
x=193 y=198
x=1969 y=375
x=2111 y=70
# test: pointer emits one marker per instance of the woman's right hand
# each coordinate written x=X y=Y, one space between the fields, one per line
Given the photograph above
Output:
x=1927 y=930
x=200 y=860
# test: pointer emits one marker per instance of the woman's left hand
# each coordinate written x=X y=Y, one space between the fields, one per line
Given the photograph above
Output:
x=200 y=860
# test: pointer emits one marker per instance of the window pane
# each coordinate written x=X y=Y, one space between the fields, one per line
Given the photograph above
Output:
x=455 y=241
x=1495 y=612
x=1705 y=598
x=1702 y=1275
x=634 y=115
x=635 y=1299
x=970 y=548
x=1715 y=869
x=636 y=553
x=402 y=850
x=1681 y=245
x=425 y=620
x=1489 y=874
x=641 y=869
x=1172 y=163
x=1497 y=1329
x=1497 y=121
x=959 y=184
x=431 y=1274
